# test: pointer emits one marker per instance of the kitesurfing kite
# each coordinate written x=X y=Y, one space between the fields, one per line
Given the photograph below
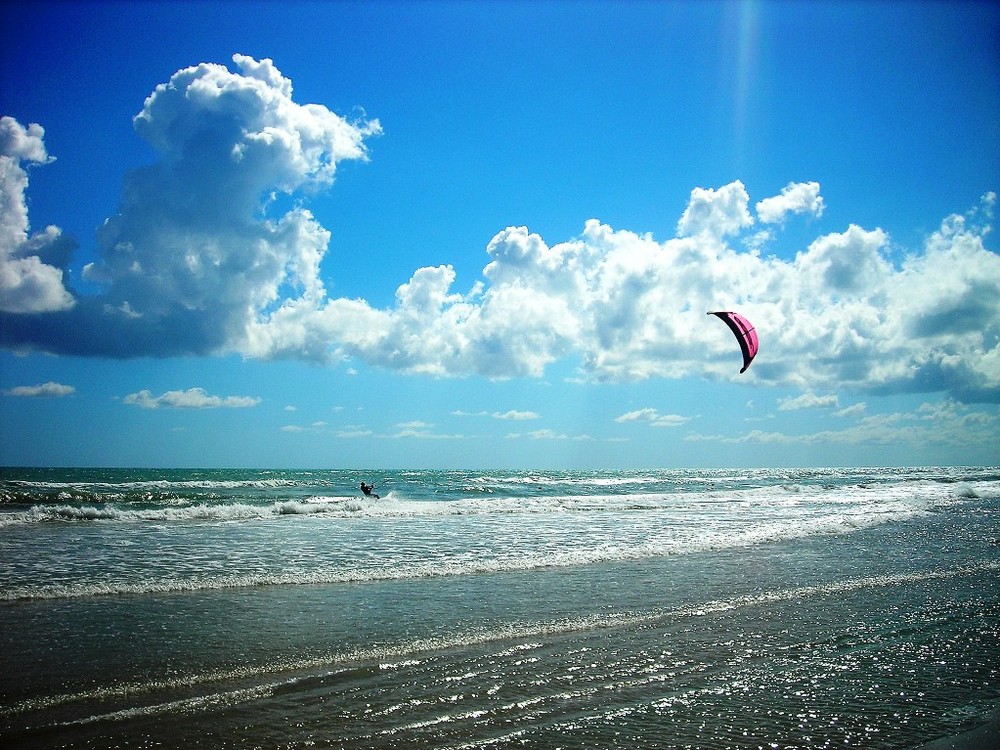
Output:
x=745 y=334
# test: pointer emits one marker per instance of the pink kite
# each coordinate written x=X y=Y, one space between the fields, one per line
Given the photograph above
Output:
x=745 y=334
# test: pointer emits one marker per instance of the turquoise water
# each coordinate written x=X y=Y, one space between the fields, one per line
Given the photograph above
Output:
x=706 y=609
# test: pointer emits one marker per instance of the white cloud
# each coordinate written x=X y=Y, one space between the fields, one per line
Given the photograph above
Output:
x=354 y=432
x=716 y=213
x=44 y=390
x=852 y=410
x=795 y=198
x=414 y=425
x=516 y=415
x=631 y=307
x=510 y=415
x=547 y=435
x=848 y=263
x=639 y=415
x=196 y=253
x=31 y=279
x=193 y=398
x=194 y=262
x=653 y=417
x=421 y=431
x=318 y=426
x=807 y=400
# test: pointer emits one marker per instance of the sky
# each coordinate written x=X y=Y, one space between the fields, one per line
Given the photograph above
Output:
x=487 y=234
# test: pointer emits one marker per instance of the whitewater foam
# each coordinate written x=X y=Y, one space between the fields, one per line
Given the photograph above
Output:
x=600 y=545
x=881 y=498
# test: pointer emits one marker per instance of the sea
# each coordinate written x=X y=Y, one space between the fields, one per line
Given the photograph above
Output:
x=750 y=608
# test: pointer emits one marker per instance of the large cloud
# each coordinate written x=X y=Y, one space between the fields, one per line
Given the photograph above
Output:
x=192 y=258
x=626 y=306
x=31 y=266
x=194 y=262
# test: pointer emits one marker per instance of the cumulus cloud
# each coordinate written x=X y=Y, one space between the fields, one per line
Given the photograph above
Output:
x=716 y=212
x=31 y=265
x=795 y=198
x=44 y=390
x=193 y=398
x=626 y=307
x=192 y=260
x=195 y=261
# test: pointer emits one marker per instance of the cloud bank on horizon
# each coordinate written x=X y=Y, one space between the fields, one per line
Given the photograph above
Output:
x=200 y=260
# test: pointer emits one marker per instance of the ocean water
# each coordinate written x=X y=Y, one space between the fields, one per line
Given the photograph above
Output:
x=825 y=608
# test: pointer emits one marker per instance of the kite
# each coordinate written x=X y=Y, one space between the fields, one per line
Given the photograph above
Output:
x=745 y=334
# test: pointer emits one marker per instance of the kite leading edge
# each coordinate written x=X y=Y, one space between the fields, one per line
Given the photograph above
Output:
x=744 y=332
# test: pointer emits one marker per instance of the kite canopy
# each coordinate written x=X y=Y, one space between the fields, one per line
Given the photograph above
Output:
x=745 y=334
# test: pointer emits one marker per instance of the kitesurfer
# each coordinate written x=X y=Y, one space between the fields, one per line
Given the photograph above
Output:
x=367 y=489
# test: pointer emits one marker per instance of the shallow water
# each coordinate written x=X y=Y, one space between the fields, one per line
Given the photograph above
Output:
x=833 y=608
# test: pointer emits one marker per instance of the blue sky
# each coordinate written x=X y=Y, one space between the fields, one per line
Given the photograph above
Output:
x=486 y=235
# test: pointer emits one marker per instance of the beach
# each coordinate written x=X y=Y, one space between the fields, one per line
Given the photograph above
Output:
x=675 y=609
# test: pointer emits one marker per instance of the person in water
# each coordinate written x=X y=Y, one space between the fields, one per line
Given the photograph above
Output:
x=367 y=489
